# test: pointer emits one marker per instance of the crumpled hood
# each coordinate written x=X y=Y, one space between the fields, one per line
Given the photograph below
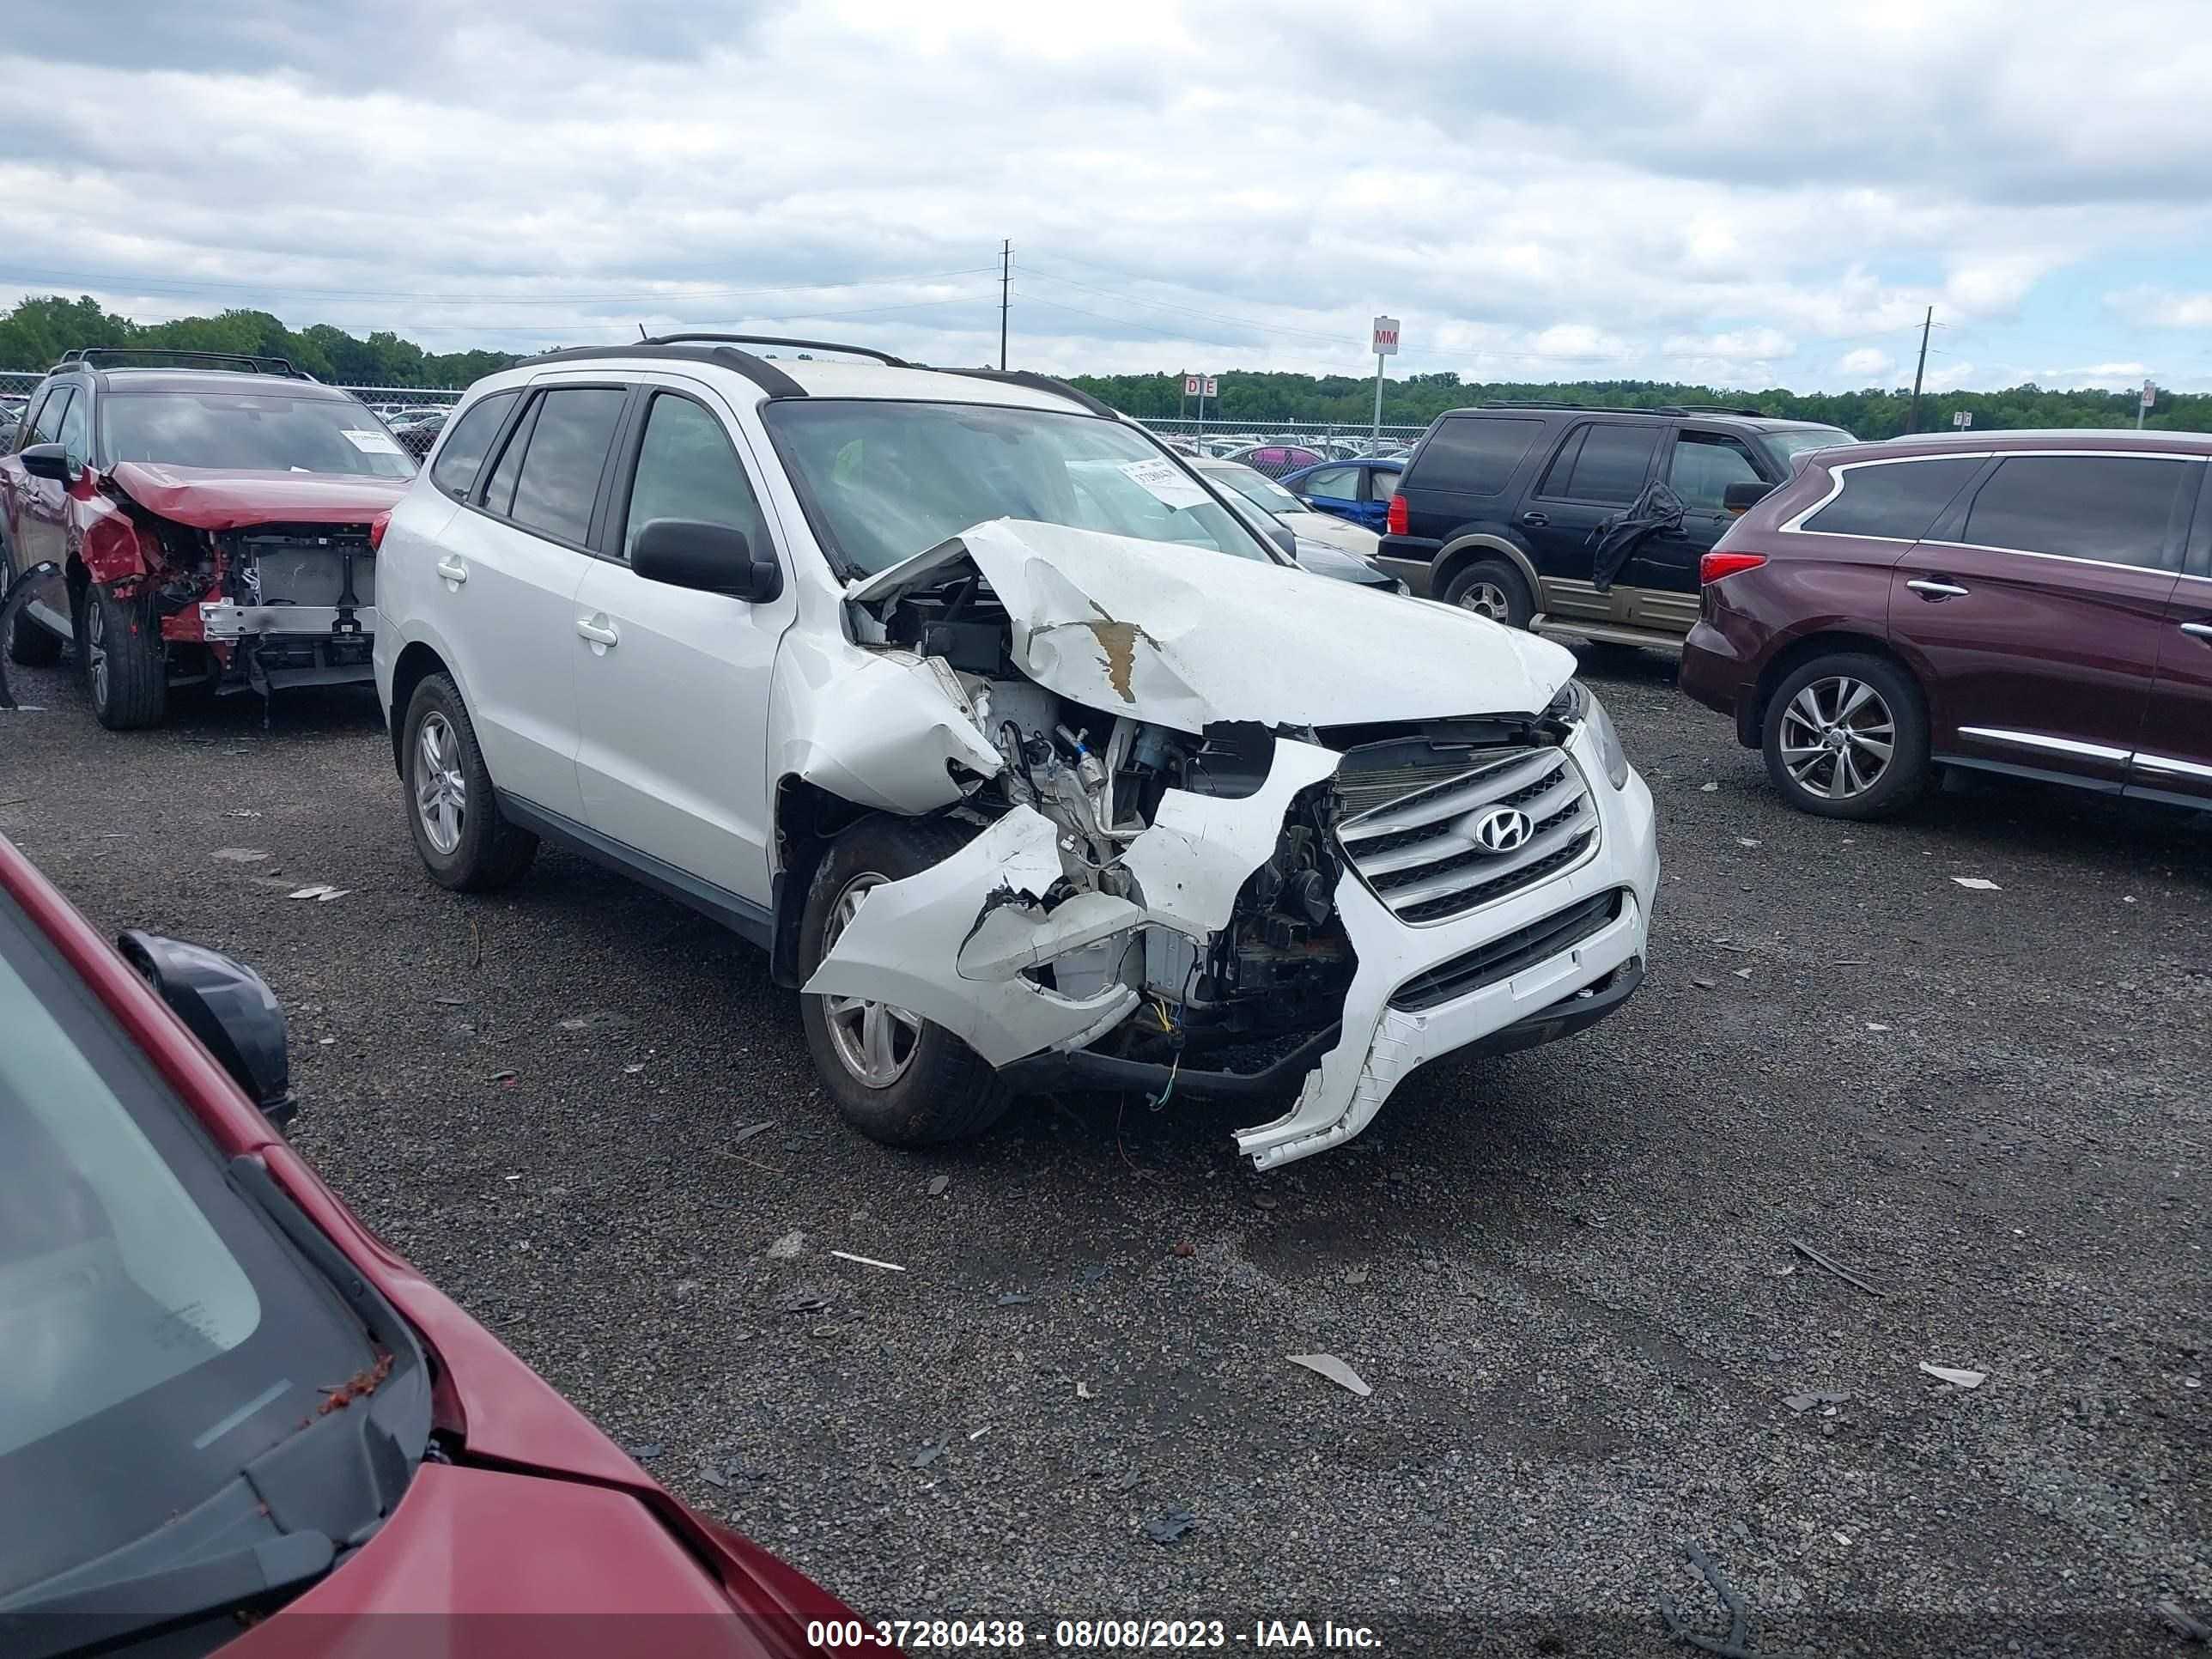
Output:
x=207 y=499
x=1184 y=637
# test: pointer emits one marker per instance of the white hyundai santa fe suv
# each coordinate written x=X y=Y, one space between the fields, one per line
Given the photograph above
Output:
x=1026 y=759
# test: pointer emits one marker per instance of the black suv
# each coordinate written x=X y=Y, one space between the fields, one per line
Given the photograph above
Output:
x=1506 y=509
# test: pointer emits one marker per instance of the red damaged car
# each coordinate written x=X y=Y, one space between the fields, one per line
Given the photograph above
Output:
x=205 y=526
x=231 y=1418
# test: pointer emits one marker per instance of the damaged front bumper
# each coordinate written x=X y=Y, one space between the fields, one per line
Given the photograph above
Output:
x=222 y=620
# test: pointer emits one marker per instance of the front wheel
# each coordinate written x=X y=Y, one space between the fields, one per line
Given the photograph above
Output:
x=126 y=665
x=893 y=1076
x=1493 y=588
x=1846 y=737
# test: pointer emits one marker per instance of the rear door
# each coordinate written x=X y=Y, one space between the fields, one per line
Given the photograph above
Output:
x=1379 y=484
x=1600 y=468
x=508 y=571
x=2037 y=606
x=672 y=684
x=2173 y=753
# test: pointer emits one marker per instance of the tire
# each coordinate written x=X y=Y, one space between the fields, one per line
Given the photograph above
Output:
x=1493 y=588
x=126 y=665
x=1872 y=693
x=941 y=1090
x=462 y=839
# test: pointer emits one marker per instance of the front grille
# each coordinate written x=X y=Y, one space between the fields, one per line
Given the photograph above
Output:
x=1417 y=851
x=1506 y=956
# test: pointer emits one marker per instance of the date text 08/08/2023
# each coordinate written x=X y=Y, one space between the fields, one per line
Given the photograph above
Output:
x=1107 y=1635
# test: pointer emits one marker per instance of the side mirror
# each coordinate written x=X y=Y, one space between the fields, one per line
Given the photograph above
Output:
x=46 y=461
x=709 y=559
x=228 y=1007
x=1738 y=497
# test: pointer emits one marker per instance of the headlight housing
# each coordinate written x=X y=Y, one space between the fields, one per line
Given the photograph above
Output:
x=1609 y=741
x=1578 y=702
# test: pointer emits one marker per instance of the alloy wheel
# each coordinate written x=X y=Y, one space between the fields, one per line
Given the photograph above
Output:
x=1485 y=599
x=95 y=650
x=873 y=1041
x=1837 y=736
x=442 y=791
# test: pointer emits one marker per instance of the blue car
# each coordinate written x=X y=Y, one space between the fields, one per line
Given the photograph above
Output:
x=1358 y=490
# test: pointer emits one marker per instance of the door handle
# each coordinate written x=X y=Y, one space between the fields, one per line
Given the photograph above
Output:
x=598 y=633
x=452 y=570
x=2200 y=630
x=1534 y=521
x=1935 y=592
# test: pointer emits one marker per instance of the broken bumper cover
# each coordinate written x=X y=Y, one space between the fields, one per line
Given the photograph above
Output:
x=223 y=620
x=1392 y=1019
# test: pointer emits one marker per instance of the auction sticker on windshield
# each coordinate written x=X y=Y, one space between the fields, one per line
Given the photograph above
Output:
x=373 y=443
x=1169 y=483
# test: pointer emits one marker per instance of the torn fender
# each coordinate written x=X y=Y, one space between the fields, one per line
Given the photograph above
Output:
x=890 y=736
x=1194 y=858
x=905 y=945
x=1185 y=636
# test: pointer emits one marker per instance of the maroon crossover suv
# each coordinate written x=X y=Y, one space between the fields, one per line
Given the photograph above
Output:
x=2034 y=603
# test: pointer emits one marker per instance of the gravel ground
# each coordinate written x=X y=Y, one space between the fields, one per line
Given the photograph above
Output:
x=1568 y=1275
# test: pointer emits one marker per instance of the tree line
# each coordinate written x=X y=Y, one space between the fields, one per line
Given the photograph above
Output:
x=37 y=330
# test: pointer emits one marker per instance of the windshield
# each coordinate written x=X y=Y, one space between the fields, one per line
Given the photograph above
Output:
x=250 y=432
x=1256 y=488
x=885 y=481
x=156 y=1332
x=1786 y=446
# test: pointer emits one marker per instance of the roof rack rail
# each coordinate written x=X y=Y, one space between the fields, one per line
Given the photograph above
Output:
x=1036 y=382
x=255 y=362
x=763 y=374
x=778 y=340
x=1721 y=408
x=1595 y=409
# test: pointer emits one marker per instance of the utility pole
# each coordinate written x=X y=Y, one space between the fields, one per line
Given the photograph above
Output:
x=1912 y=421
x=1005 y=291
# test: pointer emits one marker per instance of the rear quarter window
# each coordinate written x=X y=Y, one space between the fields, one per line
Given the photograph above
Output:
x=1474 y=454
x=1894 y=500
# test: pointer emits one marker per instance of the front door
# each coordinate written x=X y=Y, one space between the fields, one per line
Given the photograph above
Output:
x=672 y=684
x=1657 y=587
x=2173 y=754
x=1598 y=470
x=39 y=531
x=2037 y=618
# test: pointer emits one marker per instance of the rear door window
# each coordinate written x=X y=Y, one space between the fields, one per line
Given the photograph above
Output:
x=1382 y=483
x=2117 y=509
x=1475 y=454
x=463 y=457
x=1896 y=501
x=559 y=479
x=1610 y=467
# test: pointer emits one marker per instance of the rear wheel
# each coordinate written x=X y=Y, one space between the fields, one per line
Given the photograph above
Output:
x=1493 y=588
x=463 y=839
x=127 y=666
x=893 y=1076
x=1846 y=737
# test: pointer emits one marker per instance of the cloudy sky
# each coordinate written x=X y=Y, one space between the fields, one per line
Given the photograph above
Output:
x=1752 y=195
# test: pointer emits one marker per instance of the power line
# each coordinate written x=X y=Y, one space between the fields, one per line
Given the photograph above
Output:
x=1210 y=316
x=191 y=286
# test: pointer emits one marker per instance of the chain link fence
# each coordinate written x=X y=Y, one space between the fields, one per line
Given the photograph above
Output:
x=414 y=414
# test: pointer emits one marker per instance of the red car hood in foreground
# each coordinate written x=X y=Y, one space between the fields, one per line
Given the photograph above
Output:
x=205 y=499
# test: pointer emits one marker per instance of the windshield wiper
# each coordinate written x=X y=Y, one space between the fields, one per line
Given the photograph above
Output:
x=91 y=1616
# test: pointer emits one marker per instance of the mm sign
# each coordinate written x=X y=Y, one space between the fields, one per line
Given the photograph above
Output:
x=2149 y=394
x=1386 y=336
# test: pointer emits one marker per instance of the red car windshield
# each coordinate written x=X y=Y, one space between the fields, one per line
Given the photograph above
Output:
x=249 y=432
x=158 y=1331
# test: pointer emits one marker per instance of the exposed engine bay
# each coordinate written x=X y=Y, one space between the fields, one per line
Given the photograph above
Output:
x=1172 y=889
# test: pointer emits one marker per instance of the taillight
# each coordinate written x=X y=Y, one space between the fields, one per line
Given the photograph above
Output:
x=1396 y=519
x=1714 y=567
x=377 y=526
